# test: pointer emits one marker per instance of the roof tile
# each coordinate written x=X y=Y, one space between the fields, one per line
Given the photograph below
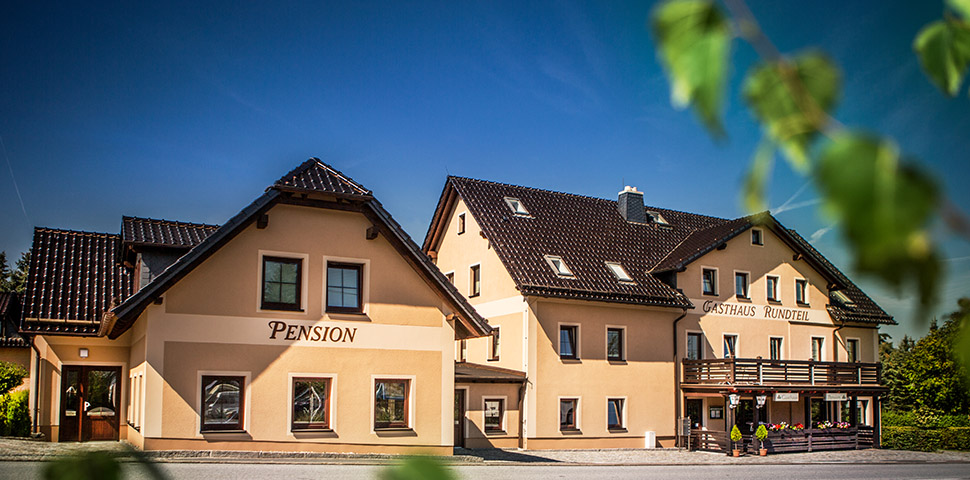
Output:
x=164 y=233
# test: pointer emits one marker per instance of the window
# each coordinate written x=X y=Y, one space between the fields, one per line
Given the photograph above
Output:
x=567 y=413
x=709 y=280
x=730 y=346
x=741 y=284
x=516 y=205
x=461 y=223
x=462 y=350
x=558 y=266
x=494 y=415
x=772 y=288
x=843 y=299
x=775 y=348
x=343 y=288
x=817 y=348
x=852 y=349
x=801 y=291
x=614 y=344
x=451 y=277
x=281 y=283
x=619 y=272
x=657 y=217
x=614 y=413
x=694 y=346
x=756 y=237
x=495 y=350
x=475 y=280
x=391 y=403
x=222 y=402
x=567 y=341
x=311 y=404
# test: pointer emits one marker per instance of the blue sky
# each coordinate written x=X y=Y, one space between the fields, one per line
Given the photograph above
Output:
x=188 y=111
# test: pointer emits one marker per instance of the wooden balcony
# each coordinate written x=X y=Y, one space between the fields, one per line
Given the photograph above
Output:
x=781 y=374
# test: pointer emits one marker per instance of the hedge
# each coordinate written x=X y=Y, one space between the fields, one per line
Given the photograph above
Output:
x=15 y=414
x=926 y=439
x=924 y=419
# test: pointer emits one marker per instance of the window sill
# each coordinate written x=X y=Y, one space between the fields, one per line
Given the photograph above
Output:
x=709 y=294
x=345 y=312
x=312 y=430
x=474 y=295
x=616 y=361
x=395 y=432
x=495 y=432
x=570 y=360
x=570 y=431
x=281 y=310
x=800 y=304
x=617 y=430
x=218 y=432
x=743 y=299
x=774 y=302
x=491 y=359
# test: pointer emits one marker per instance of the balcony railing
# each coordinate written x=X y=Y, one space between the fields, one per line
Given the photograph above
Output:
x=757 y=371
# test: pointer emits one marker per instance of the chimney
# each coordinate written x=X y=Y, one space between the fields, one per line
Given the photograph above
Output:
x=631 y=205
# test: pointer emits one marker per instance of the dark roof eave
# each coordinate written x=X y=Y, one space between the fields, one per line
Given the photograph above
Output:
x=610 y=297
x=299 y=190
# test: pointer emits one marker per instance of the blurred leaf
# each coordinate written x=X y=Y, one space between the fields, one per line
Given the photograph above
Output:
x=960 y=6
x=943 y=48
x=792 y=98
x=84 y=466
x=418 y=468
x=694 y=39
x=884 y=207
x=755 y=181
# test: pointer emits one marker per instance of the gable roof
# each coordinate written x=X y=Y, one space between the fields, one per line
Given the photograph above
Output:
x=10 y=321
x=72 y=279
x=163 y=233
x=587 y=232
x=312 y=176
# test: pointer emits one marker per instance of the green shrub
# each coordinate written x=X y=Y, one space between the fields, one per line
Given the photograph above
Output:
x=11 y=376
x=923 y=418
x=957 y=439
x=15 y=414
x=926 y=439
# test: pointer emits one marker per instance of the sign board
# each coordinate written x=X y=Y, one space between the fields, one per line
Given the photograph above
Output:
x=786 y=397
x=717 y=412
x=760 y=312
x=685 y=426
x=836 y=397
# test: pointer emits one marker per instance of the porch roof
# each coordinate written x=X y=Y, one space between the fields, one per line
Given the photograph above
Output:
x=475 y=373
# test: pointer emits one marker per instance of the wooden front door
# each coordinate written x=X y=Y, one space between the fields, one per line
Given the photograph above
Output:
x=459 y=418
x=89 y=403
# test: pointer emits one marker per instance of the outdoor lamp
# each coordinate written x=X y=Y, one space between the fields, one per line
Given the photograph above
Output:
x=761 y=400
x=733 y=400
x=83 y=353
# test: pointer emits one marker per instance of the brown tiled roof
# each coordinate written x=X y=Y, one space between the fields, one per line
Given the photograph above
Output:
x=700 y=242
x=10 y=321
x=315 y=176
x=477 y=373
x=73 y=278
x=586 y=232
x=164 y=233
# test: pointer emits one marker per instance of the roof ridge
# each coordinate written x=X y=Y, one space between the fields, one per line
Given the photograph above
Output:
x=180 y=222
x=316 y=162
x=75 y=232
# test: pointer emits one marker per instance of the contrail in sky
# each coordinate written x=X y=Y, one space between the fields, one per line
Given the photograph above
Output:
x=12 y=177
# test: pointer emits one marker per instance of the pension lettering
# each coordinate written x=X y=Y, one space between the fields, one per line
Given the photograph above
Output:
x=312 y=333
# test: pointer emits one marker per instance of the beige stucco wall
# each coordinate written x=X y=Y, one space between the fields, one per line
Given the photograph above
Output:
x=475 y=395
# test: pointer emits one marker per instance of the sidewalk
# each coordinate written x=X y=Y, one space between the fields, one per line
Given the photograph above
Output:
x=16 y=449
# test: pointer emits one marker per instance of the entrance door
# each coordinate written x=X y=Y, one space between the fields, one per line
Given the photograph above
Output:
x=90 y=403
x=460 y=418
x=694 y=408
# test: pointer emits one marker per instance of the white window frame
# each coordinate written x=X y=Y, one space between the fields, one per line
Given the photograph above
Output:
x=747 y=286
x=717 y=276
x=552 y=259
x=625 y=278
x=471 y=282
x=512 y=202
x=412 y=387
x=777 y=296
x=577 y=414
x=623 y=422
x=304 y=279
x=331 y=412
x=821 y=349
x=247 y=400
x=781 y=351
x=805 y=292
x=505 y=410
x=461 y=223
x=579 y=342
x=858 y=345
x=687 y=342
x=462 y=350
x=761 y=234
x=452 y=280
x=491 y=344
x=737 y=344
x=364 y=285
x=606 y=342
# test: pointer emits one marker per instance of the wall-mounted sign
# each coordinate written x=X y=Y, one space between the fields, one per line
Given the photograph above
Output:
x=836 y=397
x=312 y=333
x=786 y=397
x=768 y=312
x=717 y=412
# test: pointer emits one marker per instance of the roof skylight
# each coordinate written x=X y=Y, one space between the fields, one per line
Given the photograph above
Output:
x=842 y=298
x=657 y=217
x=619 y=272
x=558 y=266
x=516 y=205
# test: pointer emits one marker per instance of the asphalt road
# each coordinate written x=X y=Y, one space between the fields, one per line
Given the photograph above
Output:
x=236 y=471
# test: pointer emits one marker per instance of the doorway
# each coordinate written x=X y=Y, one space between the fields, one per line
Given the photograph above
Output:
x=694 y=409
x=460 y=418
x=89 y=403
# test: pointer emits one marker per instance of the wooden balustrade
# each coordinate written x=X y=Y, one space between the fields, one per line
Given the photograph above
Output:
x=756 y=371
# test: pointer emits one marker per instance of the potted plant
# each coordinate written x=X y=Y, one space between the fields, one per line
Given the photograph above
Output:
x=735 y=439
x=762 y=434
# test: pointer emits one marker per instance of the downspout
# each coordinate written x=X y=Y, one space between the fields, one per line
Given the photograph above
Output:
x=677 y=394
x=36 y=378
x=522 y=386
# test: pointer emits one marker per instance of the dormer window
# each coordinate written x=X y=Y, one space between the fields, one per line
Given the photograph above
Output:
x=517 y=207
x=657 y=217
x=619 y=272
x=843 y=299
x=558 y=266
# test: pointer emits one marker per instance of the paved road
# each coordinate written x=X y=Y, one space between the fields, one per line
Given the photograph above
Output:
x=176 y=471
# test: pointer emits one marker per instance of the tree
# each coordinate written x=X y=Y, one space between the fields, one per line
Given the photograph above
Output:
x=14 y=280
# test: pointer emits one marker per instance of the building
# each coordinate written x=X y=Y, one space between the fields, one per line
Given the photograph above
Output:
x=614 y=320
x=309 y=321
